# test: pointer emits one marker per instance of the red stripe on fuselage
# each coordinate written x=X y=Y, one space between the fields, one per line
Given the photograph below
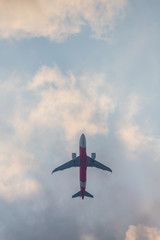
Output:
x=83 y=168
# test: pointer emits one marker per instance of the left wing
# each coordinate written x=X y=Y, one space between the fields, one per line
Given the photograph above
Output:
x=72 y=163
x=93 y=163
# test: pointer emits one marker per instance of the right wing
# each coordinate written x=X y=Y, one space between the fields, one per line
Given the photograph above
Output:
x=72 y=163
x=93 y=163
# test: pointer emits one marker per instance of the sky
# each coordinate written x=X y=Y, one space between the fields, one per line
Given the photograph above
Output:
x=73 y=67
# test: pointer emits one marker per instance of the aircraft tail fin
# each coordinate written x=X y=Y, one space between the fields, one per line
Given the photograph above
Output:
x=78 y=194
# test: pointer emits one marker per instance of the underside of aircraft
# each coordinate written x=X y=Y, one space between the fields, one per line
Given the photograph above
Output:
x=82 y=161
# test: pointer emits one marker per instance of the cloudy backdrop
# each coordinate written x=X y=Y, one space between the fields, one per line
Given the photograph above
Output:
x=68 y=67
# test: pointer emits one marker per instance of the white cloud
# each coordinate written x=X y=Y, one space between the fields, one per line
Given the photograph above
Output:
x=133 y=137
x=70 y=104
x=133 y=107
x=15 y=161
x=142 y=233
x=88 y=237
x=133 y=134
x=57 y=19
x=14 y=167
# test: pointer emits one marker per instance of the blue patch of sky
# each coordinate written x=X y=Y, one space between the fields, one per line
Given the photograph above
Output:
x=79 y=53
x=136 y=56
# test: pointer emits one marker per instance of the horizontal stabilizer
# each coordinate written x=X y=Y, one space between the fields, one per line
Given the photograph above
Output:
x=78 y=194
x=87 y=194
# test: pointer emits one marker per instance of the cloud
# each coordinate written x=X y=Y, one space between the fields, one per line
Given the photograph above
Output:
x=16 y=164
x=15 y=161
x=88 y=237
x=136 y=134
x=65 y=101
x=58 y=19
x=142 y=233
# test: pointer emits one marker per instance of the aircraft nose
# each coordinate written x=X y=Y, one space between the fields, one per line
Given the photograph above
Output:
x=83 y=141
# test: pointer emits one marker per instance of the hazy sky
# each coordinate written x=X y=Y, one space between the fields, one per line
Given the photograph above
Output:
x=68 y=67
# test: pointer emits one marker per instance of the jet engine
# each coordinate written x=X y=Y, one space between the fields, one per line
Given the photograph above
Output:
x=73 y=156
x=93 y=155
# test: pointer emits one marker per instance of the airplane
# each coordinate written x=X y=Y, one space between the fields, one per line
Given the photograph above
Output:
x=82 y=161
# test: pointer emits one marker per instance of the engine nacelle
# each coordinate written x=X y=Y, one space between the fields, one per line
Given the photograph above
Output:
x=73 y=156
x=93 y=155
